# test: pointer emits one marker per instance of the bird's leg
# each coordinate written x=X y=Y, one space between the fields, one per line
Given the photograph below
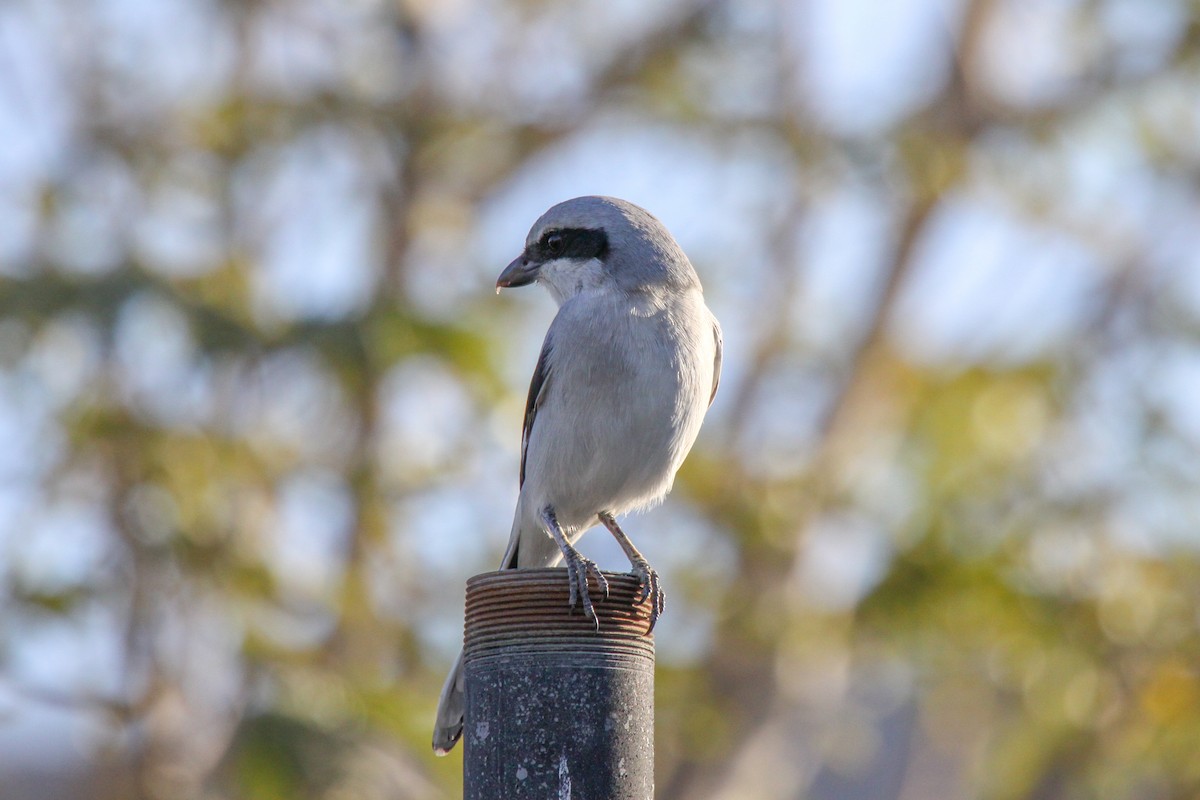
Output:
x=578 y=567
x=639 y=567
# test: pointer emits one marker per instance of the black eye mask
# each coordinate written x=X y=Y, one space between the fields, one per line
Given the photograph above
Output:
x=578 y=243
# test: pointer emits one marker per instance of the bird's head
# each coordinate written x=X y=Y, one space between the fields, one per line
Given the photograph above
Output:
x=599 y=242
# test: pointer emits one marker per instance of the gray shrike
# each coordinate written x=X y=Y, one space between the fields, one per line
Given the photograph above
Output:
x=627 y=371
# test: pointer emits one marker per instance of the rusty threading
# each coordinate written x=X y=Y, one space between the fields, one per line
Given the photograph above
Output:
x=527 y=610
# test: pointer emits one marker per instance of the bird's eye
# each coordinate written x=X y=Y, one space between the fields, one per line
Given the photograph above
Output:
x=554 y=244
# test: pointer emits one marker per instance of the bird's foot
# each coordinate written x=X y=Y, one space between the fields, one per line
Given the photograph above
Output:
x=578 y=569
x=648 y=578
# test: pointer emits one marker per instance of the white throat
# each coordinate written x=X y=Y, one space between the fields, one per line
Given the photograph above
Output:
x=566 y=277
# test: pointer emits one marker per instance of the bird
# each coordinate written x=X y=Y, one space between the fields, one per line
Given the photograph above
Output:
x=628 y=369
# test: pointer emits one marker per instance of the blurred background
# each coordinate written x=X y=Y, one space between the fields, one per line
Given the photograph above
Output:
x=260 y=406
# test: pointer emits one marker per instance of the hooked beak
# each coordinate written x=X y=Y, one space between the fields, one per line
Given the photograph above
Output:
x=521 y=272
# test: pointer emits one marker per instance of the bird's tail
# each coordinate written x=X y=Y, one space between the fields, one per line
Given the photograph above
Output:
x=448 y=726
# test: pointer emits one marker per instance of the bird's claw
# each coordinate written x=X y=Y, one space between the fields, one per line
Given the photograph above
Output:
x=578 y=569
x=648 y=578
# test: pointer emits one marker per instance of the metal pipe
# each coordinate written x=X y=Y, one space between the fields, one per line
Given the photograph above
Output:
x=556 y=710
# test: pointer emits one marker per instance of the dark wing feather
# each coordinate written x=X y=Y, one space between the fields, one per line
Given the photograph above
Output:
x=717 y=361
x=537 y=385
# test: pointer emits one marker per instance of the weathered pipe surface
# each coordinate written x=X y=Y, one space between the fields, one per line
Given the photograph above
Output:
x=556 y=710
